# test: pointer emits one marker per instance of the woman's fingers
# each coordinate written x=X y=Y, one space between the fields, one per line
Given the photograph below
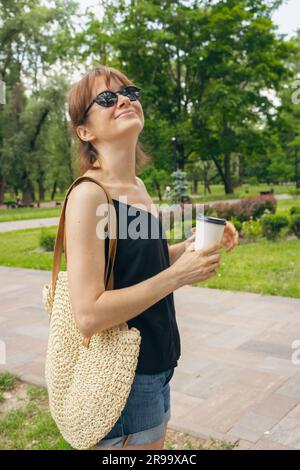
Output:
x=230 y=236
x=234 y=241
x=210 y=249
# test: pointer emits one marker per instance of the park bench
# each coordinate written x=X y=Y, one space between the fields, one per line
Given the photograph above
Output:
x=269 y=191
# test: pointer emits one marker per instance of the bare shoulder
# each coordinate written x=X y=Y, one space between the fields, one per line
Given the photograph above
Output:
x=86 y=192
x=86 y=206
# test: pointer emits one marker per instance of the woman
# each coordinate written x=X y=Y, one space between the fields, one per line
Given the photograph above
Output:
x=146 y=270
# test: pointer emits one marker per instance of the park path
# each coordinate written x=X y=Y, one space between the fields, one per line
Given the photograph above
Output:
x=30 y=223
x=235 y=379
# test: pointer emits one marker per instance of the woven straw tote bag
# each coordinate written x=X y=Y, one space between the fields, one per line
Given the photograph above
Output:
x=88 y=379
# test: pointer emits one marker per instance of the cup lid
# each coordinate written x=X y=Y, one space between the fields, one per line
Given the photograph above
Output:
x=214 y=220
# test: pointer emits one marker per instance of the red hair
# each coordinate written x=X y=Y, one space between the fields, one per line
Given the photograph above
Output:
x=79 y=97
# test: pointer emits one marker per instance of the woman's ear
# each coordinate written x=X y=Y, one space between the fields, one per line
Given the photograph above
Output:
x=84 y=133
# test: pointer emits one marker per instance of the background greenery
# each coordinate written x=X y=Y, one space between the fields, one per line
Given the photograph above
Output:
x=216 y=76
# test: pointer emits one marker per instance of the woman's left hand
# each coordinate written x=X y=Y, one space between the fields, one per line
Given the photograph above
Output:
x=229 y=240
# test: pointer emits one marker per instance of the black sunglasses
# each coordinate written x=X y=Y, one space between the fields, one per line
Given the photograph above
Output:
x=108 y=98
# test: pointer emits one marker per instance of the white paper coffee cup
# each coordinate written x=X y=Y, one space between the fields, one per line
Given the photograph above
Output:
x=208 y=230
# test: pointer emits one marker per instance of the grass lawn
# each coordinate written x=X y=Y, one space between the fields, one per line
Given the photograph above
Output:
x=218 y=189
x=26 y=213
x=270 y=268
x=284 y=205
x=26 y=423
x=263 y=267
x=20 y=248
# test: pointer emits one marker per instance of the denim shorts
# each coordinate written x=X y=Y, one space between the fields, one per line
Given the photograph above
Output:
x=145 y=414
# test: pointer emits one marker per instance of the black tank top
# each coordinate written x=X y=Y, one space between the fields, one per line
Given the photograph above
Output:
x=137 y=260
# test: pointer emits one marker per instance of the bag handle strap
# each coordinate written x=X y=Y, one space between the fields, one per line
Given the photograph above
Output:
x=61 y=240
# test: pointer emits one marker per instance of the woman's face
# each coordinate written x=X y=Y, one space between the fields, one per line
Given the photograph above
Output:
x=105 y=124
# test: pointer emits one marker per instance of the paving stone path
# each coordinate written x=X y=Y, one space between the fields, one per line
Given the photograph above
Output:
x=236 y=378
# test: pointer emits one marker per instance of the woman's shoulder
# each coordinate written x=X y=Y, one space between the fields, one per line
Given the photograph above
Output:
x=87 y=189
x=84 y=201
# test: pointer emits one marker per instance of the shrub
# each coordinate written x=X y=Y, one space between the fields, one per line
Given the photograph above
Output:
x=47 y=240
x=223 y=209
x=251 y=229
x=179 y=193
x=294 y=191
x=252 y=180
x=294 y=210
x=246 y=208
x=272 y=225
x=237 y=224
x=295 y=224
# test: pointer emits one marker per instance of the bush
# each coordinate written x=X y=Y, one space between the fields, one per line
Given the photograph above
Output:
x=252 y=180
x=246 y=208
x=251 y=229
x=272 y=225
x=294 y=210
x=237 y=224
x=225 y=210
x=294 y=191
x=295 y=224
x=47 y=240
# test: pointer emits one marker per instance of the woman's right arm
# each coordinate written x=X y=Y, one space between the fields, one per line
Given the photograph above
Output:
x=94 y=308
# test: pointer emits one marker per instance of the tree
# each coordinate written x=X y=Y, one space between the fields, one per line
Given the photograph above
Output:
x=33 y=37
x=205 y=68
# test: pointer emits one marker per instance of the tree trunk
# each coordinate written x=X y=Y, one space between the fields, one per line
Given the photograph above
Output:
x=241 y=170
x=157 y=187
x=42 y=191
x=207 y=187
x=69 y=150
x=195 y=182
x=227 y=175
x=28 y=193
x=2 y=188
x=53 y=190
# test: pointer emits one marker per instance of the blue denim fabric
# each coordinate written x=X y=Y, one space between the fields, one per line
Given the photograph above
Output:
x=145 y=414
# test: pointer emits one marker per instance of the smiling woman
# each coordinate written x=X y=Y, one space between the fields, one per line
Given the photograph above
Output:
x=107 y=117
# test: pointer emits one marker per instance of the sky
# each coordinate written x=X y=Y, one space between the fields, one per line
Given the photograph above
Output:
x=287 y=17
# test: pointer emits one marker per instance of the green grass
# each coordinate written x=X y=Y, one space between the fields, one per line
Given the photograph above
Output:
x=284 y=205
x=17 y=249
x=211 y=444
x=30 y=426
x=7 y=382
x=218 y=189
x=27 y=213
x=265 y=267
